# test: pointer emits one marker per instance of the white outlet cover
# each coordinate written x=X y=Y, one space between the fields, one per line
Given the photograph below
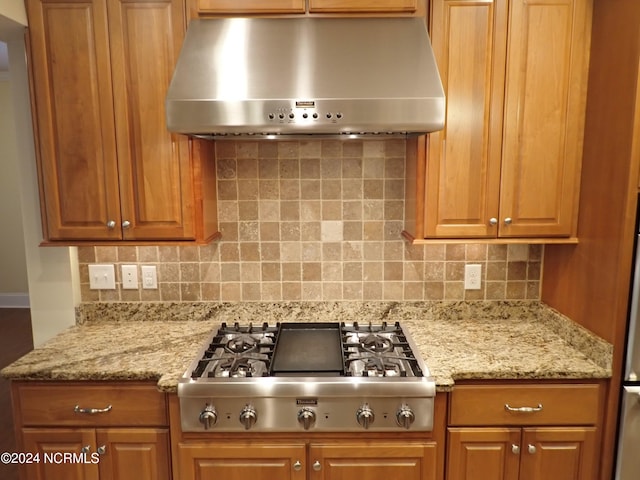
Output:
x=102 y=277
x=149 y=277
x=472 y=276
x=129 y=277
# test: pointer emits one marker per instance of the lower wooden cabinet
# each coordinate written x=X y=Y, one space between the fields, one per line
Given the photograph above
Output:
x=241 y=461
x=562 y=453
x=373 y=461
x=365 y=460
x=104 y=454
x=524 y=431
x=92 y=430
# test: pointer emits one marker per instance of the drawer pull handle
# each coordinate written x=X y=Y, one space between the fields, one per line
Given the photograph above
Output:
x=509 y=408
x=91 y=411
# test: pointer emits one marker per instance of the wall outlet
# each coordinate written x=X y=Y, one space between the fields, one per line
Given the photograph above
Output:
x=472 y=276
x=149 y=277
x=129 y=277
x=102 y=277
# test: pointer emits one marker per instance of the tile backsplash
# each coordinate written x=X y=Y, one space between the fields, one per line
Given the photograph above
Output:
x=316 y=220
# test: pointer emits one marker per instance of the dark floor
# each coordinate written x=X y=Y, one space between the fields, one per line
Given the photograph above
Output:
x=15 y=341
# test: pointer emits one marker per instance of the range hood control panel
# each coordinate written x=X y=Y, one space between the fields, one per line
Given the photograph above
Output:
x=292 y=116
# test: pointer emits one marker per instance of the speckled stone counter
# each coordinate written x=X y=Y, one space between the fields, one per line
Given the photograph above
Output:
x=458 y=340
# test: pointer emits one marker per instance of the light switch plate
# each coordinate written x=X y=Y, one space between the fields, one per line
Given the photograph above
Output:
x=102 y=277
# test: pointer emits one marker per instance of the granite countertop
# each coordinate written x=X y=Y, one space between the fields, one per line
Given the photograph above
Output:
x=457 y=340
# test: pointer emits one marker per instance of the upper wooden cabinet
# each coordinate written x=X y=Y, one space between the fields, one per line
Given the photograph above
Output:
x=507 y=163
x=249 y=6
x=109 y=169
x=239 y=7
x=363 y=5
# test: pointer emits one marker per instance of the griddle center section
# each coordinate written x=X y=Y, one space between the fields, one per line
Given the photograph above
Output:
x=305 y=349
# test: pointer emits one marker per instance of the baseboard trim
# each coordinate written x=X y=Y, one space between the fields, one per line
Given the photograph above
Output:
x=14 y=300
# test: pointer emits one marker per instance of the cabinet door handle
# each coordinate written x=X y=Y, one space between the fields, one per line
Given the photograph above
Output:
x=508 y=221
x=111 y=224
x=91 y=411
x=509 y=408
x=297 y=466
x=102 y=449
x=126 y=224
x=85 y=449
x=317 y=466
x=493 y=221
x=531 y=449
x=515 y=449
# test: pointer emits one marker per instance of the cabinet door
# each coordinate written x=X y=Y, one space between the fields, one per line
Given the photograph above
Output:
x=250 y=6
x=463 y=160
x=242 y=461
x=73 y=112
x=133 y=454
x=55 y=443
x=483 y=454
x=547 y=69
x=559 y=453
x=156 y=187
x=373 y=461
x=362 y=6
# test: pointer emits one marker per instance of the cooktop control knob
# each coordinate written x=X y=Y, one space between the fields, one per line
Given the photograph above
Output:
x=208 y=417
x=405 y=416
x=248 y=417
x=365 y=416
x=306 y=417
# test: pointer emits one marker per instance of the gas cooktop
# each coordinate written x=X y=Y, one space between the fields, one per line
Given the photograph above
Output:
x=307 y=376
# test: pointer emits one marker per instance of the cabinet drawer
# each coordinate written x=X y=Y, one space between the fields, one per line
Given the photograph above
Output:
x=44 y=404
x=525 y=405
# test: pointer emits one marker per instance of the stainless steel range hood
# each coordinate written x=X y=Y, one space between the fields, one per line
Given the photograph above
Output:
x=273 y=77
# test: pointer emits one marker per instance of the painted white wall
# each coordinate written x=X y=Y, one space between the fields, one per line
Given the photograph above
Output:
x=52 y=272
x=14 y=11
x=13 y=267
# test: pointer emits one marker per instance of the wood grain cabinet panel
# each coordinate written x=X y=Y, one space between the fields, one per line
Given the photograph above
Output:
x=463 y=166
x=347 y=6
x=75 y=134
x=483 y=453
x=56 y=443
x=507 y=163
x=133 y=454
x=373 y=461
x=249 y=6
x=524 y=432
x=521 y=454
x=109 y=169
x=545 y=104
x=128 y=440
x=242 y=461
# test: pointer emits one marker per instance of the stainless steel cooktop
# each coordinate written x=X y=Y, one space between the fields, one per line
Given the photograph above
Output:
x=307 y=376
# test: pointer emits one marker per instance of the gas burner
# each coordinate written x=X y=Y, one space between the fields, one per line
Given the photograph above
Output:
x=374 y=343
x=376 y=366
x=239 y=367
x=241 y=344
